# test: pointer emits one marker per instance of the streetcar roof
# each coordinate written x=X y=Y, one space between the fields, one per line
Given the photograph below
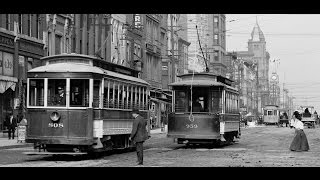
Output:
x=126 y=77
x=201 y=82
x=79 y=67
x=67 y=67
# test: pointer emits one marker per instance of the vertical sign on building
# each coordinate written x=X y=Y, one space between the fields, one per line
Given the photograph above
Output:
x=1 y=63
x=7 y=64
x=21 y=67
x=137 y=21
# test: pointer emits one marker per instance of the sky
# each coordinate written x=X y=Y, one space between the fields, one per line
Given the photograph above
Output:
x=293 y=40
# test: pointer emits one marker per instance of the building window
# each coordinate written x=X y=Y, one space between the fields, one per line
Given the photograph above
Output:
x=29 y=25
x=38 y=26
x=67 y=45
x=49 y=44
x=216 y=55
x=216 y=22
x=20 y=23
x=58 y=44
x=8 y=21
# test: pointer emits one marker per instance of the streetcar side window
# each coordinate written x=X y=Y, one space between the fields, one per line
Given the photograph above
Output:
x=265 y=112
x=96 y=93
x=79 y=92
x=216 y=101
x=36 y=92
x=57 y=92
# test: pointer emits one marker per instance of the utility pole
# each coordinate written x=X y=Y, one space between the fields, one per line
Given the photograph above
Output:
x=172 y=50
x=258 y=93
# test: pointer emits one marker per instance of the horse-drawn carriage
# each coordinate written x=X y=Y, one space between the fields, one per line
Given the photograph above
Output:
x=308 y=116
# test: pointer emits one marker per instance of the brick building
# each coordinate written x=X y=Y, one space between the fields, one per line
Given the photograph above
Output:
x=21 y=47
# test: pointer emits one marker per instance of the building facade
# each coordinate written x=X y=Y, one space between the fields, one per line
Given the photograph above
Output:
x=58 y=33
x=218 y=32
x=242 y=70
x=21 y=47
x=257 y=46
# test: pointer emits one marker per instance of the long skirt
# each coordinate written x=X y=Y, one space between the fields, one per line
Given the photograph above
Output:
x=300 y=142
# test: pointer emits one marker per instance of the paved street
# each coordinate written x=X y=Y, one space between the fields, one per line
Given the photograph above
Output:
x=264 y=146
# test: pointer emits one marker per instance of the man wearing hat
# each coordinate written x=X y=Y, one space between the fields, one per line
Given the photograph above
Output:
x=138 y=134
x=60 y=97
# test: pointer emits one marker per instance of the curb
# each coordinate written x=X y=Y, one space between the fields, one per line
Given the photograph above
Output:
x=16 y=146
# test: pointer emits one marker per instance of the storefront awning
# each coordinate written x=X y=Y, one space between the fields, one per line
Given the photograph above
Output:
x=7 y=82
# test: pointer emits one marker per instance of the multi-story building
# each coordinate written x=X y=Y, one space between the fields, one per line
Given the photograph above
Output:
x=218 y=32
x=183 y=56
x=206 y=33
x=58 y=32
x=91 y=35
x=152 y=64
x=258 y=59
x=257 y=46
x=242 y=70
x=21 y=47
x=183 y=45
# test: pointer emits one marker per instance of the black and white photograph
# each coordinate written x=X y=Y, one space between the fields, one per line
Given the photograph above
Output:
x=159 y=90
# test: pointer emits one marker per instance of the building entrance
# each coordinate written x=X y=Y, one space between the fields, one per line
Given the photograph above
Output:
x=6 y=106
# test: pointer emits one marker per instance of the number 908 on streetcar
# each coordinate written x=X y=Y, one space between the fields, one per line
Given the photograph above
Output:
x=78 y=103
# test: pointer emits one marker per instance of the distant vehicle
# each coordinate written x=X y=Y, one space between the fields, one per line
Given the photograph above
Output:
x=284 y=116
x=271 y=115
x=308 y=117
x=205 y=108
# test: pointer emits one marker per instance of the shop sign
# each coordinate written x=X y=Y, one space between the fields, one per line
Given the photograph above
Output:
x=6 y=41
x=137 y=21
x=23 y=46
x=21 y=60
x=7 y=64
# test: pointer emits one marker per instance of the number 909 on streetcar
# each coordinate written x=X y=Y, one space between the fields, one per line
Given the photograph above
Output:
x=205 y=109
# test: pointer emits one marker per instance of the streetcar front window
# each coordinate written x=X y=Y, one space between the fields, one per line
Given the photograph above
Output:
x=79 y=92
x=181 y=101
x=57 y=92
x=36 y=92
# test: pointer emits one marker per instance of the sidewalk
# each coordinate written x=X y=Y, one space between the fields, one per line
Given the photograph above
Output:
x=6 y=143
x=159 y=131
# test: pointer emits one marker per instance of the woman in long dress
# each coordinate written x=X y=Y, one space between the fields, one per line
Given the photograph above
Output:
x=300 y=142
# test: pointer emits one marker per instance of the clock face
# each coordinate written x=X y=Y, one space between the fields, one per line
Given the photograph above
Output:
x=274 y=77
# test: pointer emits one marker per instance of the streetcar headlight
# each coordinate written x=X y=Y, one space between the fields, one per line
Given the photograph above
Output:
x=55 y=116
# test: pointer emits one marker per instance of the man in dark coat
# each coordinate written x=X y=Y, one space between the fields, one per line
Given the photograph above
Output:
x=11 y=124
x=60 y=98
x=138 y=134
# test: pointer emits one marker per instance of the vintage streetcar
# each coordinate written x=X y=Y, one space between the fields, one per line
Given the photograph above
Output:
x=205 y=110
x=271 y=115
x=93 y=109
